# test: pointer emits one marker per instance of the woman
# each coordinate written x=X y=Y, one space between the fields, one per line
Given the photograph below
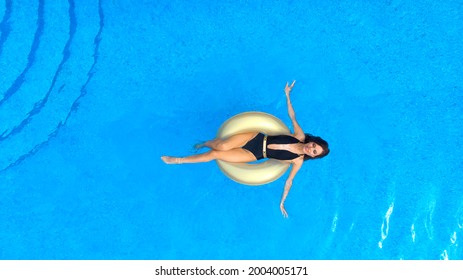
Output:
x=248 y=147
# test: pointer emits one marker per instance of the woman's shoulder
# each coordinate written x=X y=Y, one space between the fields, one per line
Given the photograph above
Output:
x=291 y=138
x=300 y=137
x=297 y=161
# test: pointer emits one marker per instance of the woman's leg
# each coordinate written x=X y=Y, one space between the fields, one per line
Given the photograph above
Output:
x=234 y=155
x=232 y=142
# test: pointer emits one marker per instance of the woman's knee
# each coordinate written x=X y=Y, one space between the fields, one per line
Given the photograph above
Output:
x=213 y=154
x=222 y=146
x=220 y=155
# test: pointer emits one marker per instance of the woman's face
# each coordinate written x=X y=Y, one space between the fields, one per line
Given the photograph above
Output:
x=312 y=149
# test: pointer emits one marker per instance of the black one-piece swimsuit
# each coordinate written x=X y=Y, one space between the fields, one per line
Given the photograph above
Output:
x=255 y=146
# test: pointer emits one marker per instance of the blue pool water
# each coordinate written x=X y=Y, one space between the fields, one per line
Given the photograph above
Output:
x=92 y=93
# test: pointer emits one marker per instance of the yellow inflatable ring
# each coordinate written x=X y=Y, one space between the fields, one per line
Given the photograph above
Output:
x=260 y=173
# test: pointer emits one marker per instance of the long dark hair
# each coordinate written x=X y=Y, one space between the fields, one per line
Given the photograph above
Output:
x=319 y=141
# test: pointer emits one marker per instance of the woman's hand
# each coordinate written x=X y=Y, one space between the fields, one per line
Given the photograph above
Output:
x=283 y=210
x=288 y=87
x=288 y=185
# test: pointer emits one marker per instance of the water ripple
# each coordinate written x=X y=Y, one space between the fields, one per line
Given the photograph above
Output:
x=444 y=255
x=460 y=217
x=428 y=220
x=385 y=225
x=31 y=57
x=5 y=27
x=68 y=86
x=96 y=55
x=40 y=104
x=17 y=40
x=453 y=238
x=334 y=222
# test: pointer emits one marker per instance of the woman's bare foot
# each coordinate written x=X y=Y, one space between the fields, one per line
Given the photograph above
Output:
x=171 y=160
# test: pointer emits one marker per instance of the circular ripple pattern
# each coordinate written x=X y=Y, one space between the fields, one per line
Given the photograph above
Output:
x=48 y=53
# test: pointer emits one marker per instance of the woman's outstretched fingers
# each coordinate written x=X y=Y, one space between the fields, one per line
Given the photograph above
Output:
x=283 y=211
x=288 y=87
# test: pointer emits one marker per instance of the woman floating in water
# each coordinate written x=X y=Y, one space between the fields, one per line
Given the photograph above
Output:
x=255 y=145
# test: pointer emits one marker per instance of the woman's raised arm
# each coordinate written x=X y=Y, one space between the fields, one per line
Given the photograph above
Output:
x=296 y=165
x=298 y=132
